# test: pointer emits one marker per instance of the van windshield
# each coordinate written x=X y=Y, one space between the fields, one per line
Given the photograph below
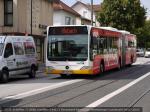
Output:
x=1 y=48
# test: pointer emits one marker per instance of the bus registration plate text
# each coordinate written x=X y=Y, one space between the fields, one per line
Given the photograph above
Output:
x=67 y=72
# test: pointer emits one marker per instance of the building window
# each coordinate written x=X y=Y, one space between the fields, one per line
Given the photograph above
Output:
x=67 y=20
x=8 y=12
x=73 y=21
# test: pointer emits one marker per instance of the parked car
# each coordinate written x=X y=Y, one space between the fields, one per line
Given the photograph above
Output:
x=17 y=56
x=140 y=52
x=147 y=53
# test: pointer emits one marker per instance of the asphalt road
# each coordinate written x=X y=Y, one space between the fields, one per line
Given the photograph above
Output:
x=128 y=87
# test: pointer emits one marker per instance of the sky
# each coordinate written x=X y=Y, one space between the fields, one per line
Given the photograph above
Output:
x=146 y=3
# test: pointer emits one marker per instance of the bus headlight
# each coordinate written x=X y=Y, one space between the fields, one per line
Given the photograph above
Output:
x=86 y=68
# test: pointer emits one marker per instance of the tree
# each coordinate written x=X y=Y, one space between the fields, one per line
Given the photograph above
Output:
x=122 y=14
x=143 y=35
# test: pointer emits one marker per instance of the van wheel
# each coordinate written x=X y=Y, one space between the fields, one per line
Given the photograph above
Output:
x=32 y=73
x=4 y=76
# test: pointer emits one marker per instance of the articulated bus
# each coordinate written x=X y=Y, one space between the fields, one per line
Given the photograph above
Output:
x=88 y=50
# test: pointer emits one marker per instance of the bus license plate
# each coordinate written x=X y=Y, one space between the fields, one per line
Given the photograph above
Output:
x=67 y=72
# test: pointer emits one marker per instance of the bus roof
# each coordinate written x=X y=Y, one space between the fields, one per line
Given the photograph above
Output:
x=109 y=28
x=69 y=26
x=124 y=32
x=105 y=28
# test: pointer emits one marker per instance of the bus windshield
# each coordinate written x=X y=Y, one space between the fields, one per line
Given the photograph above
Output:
x=1 y=48
x=67 y=47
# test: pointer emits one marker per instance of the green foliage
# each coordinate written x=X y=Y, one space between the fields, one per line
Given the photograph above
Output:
x=122 y=14
x=143 y=35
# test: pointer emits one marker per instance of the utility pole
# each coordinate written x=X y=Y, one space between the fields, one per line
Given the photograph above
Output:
x=92 y=12
x=31 y=17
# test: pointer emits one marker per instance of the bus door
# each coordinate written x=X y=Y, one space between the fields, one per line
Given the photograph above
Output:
x=112 y=52
x=123 y=51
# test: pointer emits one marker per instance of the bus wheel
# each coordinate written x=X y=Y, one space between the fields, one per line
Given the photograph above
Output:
x=102 y=69
x=32 y=73
x=4 y=76
x=131 y=62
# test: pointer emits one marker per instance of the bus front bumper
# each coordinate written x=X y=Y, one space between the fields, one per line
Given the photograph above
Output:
x=82 y=72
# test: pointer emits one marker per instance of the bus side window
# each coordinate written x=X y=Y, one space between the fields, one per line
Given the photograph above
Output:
x=130 y=44
x=8 y=50
x=93 y=47
x=105 y=45
x=101 y=45
x=115 y=45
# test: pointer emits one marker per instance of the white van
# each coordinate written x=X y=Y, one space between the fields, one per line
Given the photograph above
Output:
x=17 y=56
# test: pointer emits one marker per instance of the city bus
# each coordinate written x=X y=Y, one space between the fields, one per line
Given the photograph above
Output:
x=87 y=50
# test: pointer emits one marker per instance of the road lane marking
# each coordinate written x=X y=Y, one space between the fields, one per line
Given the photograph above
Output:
x=37 y=91
x=109 y=96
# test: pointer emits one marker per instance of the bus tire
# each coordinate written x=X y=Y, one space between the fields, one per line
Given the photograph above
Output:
x=32 y=73
x=4 y=76
x=131 y=59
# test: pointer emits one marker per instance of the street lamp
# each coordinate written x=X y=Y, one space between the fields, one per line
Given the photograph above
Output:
x=92 y=12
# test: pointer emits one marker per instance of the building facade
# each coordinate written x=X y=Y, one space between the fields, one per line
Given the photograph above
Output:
x=65 y=15
x=85 y=11
x=27 y=17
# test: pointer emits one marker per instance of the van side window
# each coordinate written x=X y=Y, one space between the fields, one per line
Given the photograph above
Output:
x=29 y=48
x=19 y=50
x=8 y=50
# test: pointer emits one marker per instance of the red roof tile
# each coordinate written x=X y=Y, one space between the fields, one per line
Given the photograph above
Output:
x=59 y=5
x=96 y=8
